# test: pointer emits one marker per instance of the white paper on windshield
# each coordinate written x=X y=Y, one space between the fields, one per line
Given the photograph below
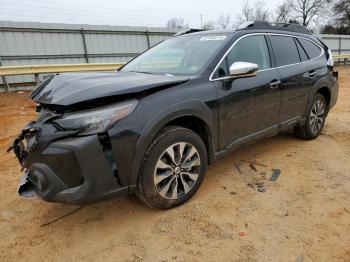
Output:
x=213 y=38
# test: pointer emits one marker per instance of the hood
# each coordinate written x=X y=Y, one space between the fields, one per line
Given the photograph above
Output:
x=71 y=88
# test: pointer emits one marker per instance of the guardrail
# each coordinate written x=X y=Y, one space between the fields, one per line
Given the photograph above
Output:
x=344 y=57
x=57 y=68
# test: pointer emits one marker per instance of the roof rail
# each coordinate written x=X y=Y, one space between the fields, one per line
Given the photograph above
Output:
x=292 y=26
x=189 y=31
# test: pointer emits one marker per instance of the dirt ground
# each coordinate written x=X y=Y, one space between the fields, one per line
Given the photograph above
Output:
x=303 y=216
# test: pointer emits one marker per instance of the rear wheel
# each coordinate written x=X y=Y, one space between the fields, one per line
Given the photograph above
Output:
x=173 y=168
x=315 y=119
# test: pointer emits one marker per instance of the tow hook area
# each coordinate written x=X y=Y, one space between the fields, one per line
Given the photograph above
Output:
x=26 y=187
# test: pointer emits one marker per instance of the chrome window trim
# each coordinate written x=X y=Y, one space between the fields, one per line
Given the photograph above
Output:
x=269 y=34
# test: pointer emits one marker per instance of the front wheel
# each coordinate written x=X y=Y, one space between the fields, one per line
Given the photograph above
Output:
x=315 y=119
x=173 y=168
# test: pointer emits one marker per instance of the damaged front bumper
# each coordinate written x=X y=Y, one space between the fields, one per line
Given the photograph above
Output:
x=62 y=167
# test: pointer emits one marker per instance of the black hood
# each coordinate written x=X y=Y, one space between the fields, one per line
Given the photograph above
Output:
x=72 y=88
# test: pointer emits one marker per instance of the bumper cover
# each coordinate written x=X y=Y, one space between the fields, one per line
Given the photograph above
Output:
x=61 y=167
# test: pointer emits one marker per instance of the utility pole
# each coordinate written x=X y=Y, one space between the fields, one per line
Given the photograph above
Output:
x=201 y=20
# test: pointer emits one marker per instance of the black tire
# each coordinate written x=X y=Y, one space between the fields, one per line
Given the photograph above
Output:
x=176 y=139
x=309 y=131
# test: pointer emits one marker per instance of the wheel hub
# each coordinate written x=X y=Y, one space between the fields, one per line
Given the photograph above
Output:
x=177 y=170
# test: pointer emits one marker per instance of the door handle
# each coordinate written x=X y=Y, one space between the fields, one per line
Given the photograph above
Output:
x=312 y=73
x=275 y=83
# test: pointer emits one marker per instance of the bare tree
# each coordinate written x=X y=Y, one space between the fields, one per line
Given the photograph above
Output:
x=224 y=21
x=282 y=13
x=177 y=23
x=208 y=25
x=341 y=11
x=260 y=12
x=247 y=12
x=308 y=10
x=256 y=12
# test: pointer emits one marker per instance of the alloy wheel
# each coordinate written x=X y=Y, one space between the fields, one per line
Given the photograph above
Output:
x=177 y=170
x=317 y=116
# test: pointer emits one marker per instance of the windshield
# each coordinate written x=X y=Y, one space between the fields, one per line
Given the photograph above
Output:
x=186 y=55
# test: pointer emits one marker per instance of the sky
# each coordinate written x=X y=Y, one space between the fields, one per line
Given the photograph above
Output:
x=152 y=13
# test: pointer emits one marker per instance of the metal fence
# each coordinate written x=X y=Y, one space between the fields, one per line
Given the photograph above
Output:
x=43 y=43
x=339 y=44
x=39 y=43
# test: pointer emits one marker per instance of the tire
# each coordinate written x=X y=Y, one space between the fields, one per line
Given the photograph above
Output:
x=165 y=181
x=315 y=119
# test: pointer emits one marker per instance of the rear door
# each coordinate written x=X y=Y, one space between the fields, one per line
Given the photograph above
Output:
x=315 y=67
x=288 y=62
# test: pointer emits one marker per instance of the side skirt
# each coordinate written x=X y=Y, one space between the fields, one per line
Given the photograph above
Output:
x=260 y=135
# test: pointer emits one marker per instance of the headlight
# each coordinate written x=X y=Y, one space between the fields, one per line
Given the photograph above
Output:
x=96 y=120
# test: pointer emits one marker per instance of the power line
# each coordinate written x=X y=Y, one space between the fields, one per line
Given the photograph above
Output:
x=104 y=10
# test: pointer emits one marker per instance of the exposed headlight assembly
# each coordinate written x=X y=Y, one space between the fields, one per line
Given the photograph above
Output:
x=95 y=121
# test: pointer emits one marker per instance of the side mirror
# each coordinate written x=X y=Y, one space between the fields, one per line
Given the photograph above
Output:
x=243 y=69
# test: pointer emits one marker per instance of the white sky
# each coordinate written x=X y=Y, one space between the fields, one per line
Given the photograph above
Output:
x=126 y=12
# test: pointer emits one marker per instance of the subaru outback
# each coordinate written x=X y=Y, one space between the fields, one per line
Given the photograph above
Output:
x=153 y=126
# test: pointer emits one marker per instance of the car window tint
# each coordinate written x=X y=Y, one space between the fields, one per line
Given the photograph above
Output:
x=302 y=53
x=311 y=49
x=252 y=49
x=285 y=50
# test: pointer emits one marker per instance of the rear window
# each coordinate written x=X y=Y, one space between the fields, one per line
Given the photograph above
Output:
x=311 y=49
x=302 y=53
x=285 y=50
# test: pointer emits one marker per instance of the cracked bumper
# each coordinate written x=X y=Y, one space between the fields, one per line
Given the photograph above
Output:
x=71 y=169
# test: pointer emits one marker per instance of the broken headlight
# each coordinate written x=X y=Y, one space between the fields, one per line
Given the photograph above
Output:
x=96 y=120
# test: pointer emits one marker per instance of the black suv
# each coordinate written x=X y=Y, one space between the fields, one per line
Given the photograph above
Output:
x=152 y=127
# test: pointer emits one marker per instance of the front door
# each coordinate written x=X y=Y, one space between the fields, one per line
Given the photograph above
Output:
x=248 y=107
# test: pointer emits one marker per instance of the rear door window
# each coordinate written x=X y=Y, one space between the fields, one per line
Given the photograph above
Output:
x=285 y=49
x=311 y=49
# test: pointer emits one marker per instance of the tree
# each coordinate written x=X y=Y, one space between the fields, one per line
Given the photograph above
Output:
x=338 y=30
x=282 y=13
x=261 y=13
x=257 y=12
x=177 y=23
x=308 y=10
x=247 y=13
x=224 y=21
x=341 y=11
x=208 y=25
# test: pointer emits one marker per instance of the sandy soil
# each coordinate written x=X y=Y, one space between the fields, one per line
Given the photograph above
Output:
x=303 y=216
